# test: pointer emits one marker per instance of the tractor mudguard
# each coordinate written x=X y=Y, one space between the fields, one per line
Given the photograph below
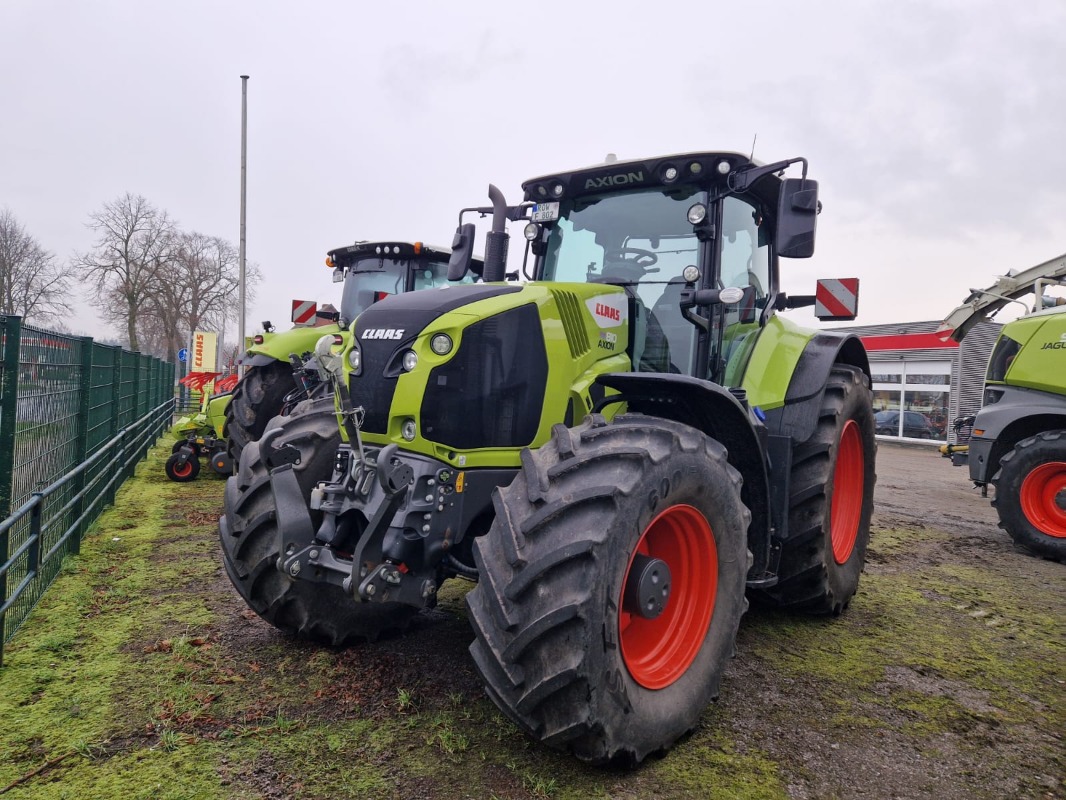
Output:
x=279 y=346
x=798 y=416
x=718 y=413
x=1017 y=414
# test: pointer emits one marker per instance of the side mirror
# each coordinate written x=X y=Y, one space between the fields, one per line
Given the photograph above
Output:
x=797 y=217
x=462 y=252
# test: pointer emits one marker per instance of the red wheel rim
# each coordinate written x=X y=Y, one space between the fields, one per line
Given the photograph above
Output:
x=848 y=476
x=658 y=651
x=182 y=470
x=1043 y=495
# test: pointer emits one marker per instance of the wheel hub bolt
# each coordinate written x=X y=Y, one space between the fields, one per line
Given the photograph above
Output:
x=647 y=589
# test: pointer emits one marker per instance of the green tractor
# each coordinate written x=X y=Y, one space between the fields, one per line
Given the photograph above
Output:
x=618 y=452
x=272 y=381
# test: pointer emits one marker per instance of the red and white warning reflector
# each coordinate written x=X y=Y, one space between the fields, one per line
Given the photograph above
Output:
x=303 y=312
x=836 y=299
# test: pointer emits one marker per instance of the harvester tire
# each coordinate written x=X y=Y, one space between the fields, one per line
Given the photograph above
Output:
x=1031 y=494
x=595 y=522
x=257 y=398
x=182 y=470
x=831 y=492
x=320 y=612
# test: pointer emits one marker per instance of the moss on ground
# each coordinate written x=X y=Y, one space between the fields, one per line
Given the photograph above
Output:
x=133 y=678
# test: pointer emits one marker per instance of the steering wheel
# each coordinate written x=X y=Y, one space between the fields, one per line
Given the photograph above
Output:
x=640 y=258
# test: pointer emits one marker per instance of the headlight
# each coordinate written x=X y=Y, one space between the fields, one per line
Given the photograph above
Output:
x=409 y=430
x=697 y=213
x=441 y=344
x=691 y=274
x=531 y=231
x=410 y=360
x=355 y=358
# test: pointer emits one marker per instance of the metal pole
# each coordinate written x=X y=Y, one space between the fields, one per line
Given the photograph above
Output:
x=244 y=196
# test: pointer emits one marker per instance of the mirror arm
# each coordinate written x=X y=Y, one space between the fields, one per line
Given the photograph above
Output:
x=741 y=181
x=784 y=301
x=702 y=323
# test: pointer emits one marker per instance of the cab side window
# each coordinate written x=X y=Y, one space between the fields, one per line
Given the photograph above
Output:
x=745 y=247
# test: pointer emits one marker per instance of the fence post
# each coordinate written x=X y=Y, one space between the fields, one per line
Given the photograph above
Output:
x=81 y=445
x=116 y=404
x=11 y=326
x=137 y=357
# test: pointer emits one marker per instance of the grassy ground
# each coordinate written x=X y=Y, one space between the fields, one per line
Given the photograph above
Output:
x=142 y=675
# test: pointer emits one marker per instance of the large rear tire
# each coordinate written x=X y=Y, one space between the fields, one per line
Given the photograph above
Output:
x=248 y=533
x=257 y=398
x=559 y=643
x=831 y=499
x=1031 y=494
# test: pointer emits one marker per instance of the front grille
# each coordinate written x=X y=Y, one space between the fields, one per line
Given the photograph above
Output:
x=375 y=385
x=491 y=392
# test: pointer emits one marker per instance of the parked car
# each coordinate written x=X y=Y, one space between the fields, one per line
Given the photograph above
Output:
x=915 y=424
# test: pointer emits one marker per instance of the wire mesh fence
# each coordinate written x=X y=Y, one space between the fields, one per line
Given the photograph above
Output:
x=75 y=417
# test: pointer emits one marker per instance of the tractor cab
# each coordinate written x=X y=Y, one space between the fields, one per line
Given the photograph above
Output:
x=372 y=271
x=692 y=239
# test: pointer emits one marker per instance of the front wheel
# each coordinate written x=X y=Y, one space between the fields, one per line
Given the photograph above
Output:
x=611 y=586
x=831 y=499
x=1031 y=494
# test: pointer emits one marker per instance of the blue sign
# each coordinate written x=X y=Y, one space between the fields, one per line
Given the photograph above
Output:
x=183 y=355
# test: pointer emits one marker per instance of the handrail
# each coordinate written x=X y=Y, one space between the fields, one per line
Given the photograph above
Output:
x=117 y=455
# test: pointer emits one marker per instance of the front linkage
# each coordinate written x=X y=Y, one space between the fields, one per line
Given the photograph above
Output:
x=389 y=528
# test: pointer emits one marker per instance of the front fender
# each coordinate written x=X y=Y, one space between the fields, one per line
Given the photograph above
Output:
x=281 y=345
x=716 y=412
x=798 y=416
x=1018 y=413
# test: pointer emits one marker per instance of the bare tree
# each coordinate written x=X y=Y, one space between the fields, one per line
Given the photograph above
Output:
x=31 y=283
x=196 y=289
x=133 y=249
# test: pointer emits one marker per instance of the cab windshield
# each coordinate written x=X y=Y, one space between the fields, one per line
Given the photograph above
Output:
x=371 y=279
x=643 y=241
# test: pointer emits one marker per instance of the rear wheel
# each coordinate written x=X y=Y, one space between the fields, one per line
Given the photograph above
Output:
x=249 y=535
x=1031 y=494
x=611 y=586
x=830 y=502
x=182 y=470
x=257 y=398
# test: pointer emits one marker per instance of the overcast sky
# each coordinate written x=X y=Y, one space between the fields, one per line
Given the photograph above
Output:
x=937 y=129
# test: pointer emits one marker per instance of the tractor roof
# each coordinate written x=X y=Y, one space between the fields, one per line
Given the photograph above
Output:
x=382 y=249
x=702 y=168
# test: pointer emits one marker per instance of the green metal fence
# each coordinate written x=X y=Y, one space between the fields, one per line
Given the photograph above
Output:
x=75 y=418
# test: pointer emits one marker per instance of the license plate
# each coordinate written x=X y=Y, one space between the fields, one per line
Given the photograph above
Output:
x=545 y=212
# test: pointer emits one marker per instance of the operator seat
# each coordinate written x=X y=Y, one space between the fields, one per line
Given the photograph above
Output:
x=677 y=330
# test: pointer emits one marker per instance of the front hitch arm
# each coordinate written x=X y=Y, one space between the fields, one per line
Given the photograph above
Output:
x=295 y=528
x=385 y=581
